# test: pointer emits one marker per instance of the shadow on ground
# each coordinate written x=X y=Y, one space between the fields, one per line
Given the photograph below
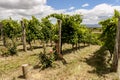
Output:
x=21 y=77
x=33 y=47
x=98 y=61
x=70 y=50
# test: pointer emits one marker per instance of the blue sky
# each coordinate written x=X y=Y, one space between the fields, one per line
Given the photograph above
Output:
x=64 y=4
x=93 y=11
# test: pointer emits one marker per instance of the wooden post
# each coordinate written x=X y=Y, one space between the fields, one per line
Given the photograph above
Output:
x=23 y=36
x=44 y=47
x=118 y=68
x=59 y=43
x=1 y=31
x=25 y=71
x=1 y=34
x=59 y=25
x=117 y=49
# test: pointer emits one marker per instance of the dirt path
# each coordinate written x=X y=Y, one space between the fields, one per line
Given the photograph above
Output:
x=77 y=68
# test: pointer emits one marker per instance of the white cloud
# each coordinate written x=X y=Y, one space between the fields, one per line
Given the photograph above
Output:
x=39 y=8
x=18 y=4
x=25 y=8
x=85 y=5
x=71 y=8
x=94 y=15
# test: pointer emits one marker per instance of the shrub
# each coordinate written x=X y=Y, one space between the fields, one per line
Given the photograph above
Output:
x=45 y=60
x=54 y=54
x=12 y=50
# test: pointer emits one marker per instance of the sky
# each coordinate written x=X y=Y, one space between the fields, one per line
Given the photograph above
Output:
x=93 y=11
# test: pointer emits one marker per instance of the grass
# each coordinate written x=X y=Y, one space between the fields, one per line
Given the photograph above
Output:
x=82 y=64
x=13 y=63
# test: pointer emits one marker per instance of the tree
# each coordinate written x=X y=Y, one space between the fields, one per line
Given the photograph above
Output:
x=108 y=36
x=33 y=30
x=11 y=29
x=46 y=29
x=70 y=26
x=83 y=33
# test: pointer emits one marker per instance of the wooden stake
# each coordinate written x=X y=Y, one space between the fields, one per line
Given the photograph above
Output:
x=23 y=36
x=118 y=68
x=25 y=71
x=117 y=49
x=59 y=25
x=59 y=43
x=1 y=27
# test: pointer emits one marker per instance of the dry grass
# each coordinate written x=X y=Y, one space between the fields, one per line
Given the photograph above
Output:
x=77 y=67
